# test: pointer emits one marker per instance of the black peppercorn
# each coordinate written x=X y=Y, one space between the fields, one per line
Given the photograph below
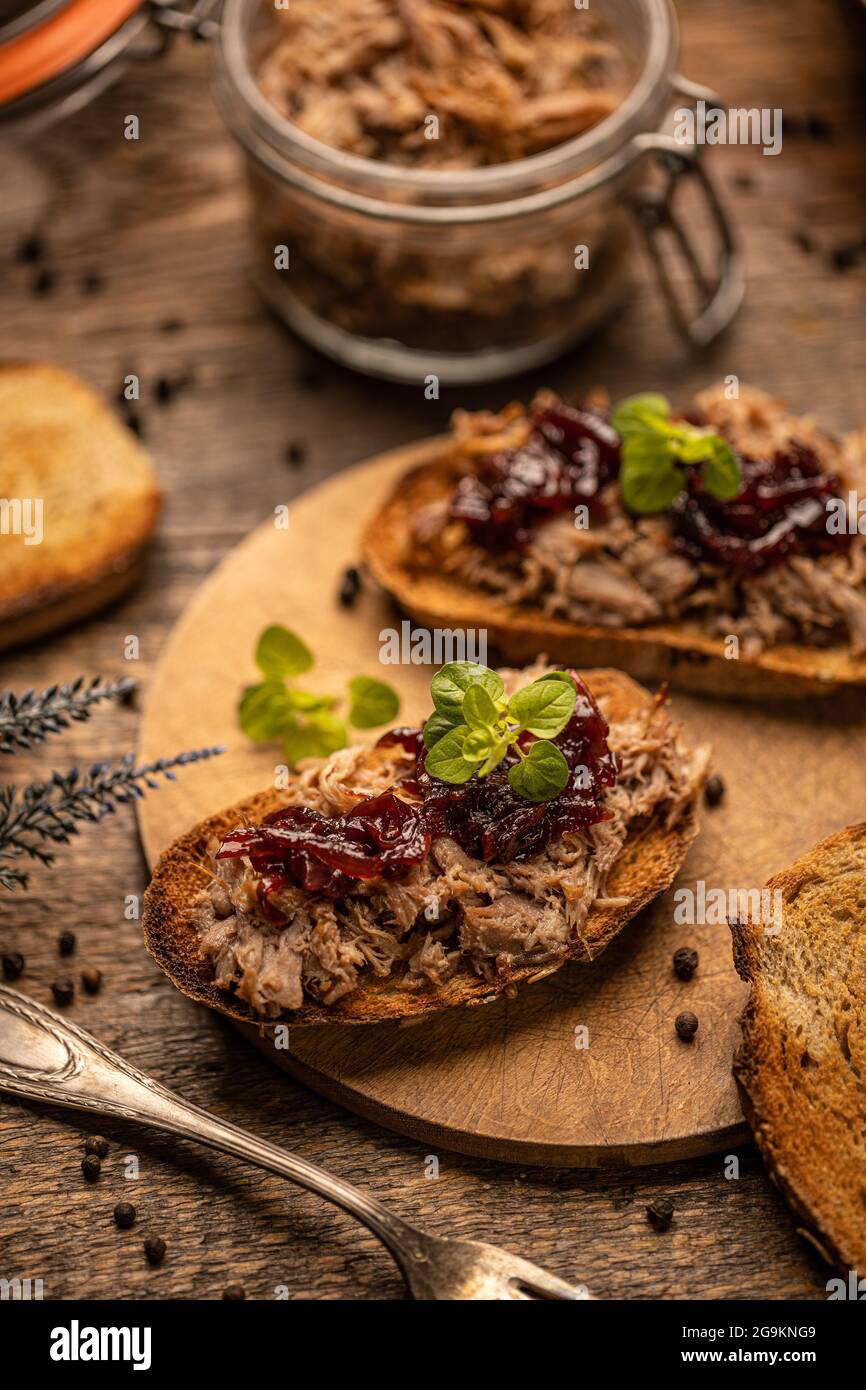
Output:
x=91 y=1167
x=32 y=249
x=91 y=979
x=133 y=422
x=63 y=990
x=714 y=791
x=660 y=1213
x=171 y=326
x=124 y=1215
x=163 y=390
x=44 y=282
x=13 y=965
x=233 y=1293
x=66 y=943
x=685 y=962
x=844 y=257
x=96 y=1144
x=154 y=1249
x=818 y=127
x=350 y=587
x=686 y=1025
x=92 y=283
x=295 y=454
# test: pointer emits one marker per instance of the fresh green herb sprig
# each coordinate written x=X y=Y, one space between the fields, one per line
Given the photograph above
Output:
x=308 y=726
x=654 y=448
x=475 y=726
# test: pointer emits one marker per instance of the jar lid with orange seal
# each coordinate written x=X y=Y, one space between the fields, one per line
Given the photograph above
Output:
x=56 y=55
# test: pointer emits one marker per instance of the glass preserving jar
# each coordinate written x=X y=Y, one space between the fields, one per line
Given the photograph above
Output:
x=402 y=272
x=475 y=274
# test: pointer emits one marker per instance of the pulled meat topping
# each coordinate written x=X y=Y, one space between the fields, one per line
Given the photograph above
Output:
x=452 y=912
x=384 y=835
x=571 y=455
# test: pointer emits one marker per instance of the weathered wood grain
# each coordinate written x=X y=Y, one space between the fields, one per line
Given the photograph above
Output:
x=163 y=223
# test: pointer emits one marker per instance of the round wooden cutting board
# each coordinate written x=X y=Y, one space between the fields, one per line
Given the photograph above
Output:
x=512 y=1080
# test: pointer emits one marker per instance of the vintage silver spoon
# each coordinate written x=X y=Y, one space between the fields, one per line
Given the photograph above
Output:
x=46 y=1058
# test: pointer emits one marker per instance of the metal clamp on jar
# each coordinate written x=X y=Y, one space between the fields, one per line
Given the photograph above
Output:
x=401 y=272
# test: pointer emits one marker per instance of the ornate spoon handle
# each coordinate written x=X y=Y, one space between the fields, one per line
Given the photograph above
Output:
x=46 y=1058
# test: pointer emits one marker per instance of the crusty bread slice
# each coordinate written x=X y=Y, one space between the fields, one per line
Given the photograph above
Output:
x=649 y=861
x=682 y=653
x=801 y=1067
x=60 y=443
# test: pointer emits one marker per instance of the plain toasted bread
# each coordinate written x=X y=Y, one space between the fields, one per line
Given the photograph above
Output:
x=801 y=1067
x=680 y=653
x=650 y=859
x=60 y=444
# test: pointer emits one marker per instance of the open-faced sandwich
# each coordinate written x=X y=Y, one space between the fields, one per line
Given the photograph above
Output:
x=717 y=549
x=523 y=825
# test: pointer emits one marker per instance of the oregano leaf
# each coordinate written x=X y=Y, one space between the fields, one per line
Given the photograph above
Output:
x=281 y=653
x=542 y=774
x=373 y=702
x=450 y=684
x=445 y=759
x=479 y=711
x=544 y=707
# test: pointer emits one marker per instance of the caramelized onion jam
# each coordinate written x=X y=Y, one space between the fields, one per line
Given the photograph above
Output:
x=385 y=835
x=571 y=455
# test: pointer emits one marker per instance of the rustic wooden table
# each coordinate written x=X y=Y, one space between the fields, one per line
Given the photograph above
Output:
x=160 y=224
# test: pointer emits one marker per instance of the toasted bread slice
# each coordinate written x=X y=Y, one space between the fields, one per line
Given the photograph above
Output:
x=680 y=653
x=651 y=856
x=801 y=1067
x=63 y=449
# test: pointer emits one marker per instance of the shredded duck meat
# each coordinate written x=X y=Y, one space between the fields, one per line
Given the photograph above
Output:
x=627 y=571
x=502 y=78
x=449 y=909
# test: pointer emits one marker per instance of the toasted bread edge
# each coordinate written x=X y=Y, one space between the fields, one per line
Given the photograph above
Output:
x=758 y=1024
x=26 y=615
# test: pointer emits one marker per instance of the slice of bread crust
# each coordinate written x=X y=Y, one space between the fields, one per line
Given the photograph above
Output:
x=801 y=1067
x=648 y=864
x=61 y=444
x=681 y=653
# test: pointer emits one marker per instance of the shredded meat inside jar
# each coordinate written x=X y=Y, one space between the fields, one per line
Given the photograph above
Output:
x=440 y=84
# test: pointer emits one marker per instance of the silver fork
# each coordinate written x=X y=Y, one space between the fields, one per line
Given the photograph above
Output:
x=46 y=1058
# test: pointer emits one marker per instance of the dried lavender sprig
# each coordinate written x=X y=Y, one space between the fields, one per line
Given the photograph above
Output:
x=29 y=718
x=50 y=813
x=12 y=878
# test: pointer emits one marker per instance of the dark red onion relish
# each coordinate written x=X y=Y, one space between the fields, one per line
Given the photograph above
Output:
x=568 y=459
x=298 y=847
x=780 y=509
x=572 y=454
x=384 y=835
